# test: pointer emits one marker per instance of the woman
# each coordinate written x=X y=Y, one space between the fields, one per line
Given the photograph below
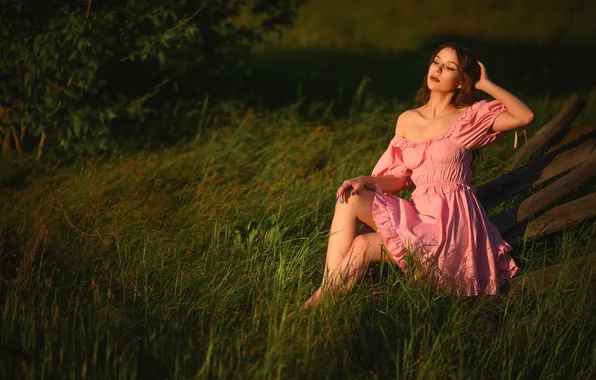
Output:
x=442 y=234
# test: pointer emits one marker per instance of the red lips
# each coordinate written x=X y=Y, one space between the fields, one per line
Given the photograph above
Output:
x=434 y=78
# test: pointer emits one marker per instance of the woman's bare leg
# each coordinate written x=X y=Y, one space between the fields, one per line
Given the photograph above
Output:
x=343 y=231
x=365 y=250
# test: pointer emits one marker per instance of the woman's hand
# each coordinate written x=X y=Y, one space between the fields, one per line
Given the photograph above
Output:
x=483 y=81
x=517 y=113
x=353 y=186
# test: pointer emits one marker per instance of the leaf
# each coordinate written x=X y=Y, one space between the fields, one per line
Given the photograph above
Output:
x=73 y=55
x=83 y=43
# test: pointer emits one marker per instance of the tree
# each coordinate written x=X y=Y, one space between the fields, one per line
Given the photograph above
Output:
x=76 y=74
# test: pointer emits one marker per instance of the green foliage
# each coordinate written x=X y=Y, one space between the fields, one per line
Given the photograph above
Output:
x=82 y=72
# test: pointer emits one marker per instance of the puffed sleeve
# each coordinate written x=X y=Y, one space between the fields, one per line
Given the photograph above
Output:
x=392 y=163
x=473 y=131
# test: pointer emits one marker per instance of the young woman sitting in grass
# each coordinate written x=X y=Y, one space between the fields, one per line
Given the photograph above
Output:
x=442 y=234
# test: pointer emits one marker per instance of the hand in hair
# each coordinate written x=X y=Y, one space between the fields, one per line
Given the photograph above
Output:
x=483 y=81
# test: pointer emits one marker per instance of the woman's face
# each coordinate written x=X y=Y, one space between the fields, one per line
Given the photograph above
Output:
x=444 y=68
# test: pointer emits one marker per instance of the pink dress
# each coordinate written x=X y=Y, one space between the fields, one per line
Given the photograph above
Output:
x=443 y=233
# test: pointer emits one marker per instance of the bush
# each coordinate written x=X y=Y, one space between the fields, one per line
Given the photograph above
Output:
x=82 y=75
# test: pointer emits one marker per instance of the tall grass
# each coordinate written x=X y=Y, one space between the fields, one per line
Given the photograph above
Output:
x=187 y=262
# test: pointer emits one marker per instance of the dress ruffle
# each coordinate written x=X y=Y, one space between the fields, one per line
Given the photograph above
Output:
x=505 y=264
x=405 y=143
x=463 y=286
x=391 y=238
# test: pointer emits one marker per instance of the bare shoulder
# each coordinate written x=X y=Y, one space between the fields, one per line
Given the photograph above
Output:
x=404 y=119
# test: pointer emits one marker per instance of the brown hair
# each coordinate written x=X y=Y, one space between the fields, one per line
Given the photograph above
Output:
x=469 y=73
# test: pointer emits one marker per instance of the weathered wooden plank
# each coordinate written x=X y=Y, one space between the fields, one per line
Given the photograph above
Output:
x=563 y=216
x=544 y=198
x=542 y=280
x=551 y=131
x=535 y=172
x=557 y=219
x=573 y=134
x=565 y=161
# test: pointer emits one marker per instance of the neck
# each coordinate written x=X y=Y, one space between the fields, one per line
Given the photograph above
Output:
x=438 y=104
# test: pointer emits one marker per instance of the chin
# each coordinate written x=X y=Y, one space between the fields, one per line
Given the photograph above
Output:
x=432 y=84
x=435 y=89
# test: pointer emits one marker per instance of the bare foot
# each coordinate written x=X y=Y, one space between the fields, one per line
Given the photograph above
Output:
x=313 y=300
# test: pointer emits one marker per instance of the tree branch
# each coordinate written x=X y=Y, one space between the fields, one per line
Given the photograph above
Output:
x=178 y=26
x=88 y=9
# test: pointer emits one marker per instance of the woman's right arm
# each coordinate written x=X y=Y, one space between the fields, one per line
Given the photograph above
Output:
x=388 y=183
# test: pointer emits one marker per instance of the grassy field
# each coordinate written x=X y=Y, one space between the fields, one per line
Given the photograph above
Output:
x=185 y=263
x=392 y=25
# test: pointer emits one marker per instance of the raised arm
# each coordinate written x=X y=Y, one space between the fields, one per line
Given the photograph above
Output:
x=517 y=115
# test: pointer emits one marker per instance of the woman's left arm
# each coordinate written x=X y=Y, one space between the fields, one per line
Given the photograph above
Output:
x=517 y=114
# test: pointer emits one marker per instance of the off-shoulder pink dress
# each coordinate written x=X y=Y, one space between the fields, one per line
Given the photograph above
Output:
x=443 y=232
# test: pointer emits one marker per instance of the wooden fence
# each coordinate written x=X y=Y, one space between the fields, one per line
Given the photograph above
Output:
x=557 y=154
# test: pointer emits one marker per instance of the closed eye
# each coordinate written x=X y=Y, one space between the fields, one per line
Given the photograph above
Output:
x=436 y=63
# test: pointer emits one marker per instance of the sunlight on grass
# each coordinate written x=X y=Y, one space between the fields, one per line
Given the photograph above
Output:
x=187 y=263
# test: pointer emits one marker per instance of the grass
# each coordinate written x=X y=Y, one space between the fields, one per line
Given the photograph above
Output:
x=186 y=262
x=401 y=25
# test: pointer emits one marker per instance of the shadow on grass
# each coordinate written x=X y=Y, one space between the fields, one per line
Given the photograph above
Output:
x=278 y=78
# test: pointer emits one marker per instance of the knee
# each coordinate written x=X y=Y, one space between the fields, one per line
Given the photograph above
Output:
x=361 y=205
x=360 y=243
x=357 y=206
x=340 y=204
x=357 y=252
x=353 y=201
